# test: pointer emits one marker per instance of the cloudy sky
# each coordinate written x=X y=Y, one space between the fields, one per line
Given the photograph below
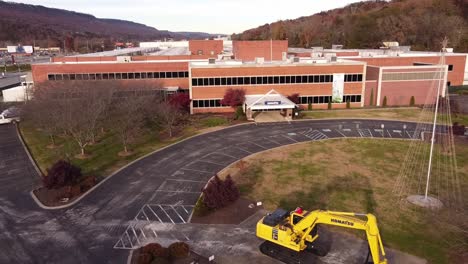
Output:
x=213 y=16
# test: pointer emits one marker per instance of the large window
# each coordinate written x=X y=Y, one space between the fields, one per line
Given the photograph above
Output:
x=207 y=103
x=268 y=80
x=120 y=75
x=326 y=99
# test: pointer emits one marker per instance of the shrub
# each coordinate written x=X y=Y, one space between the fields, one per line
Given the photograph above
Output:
x=309 y=107
x=87 y=183
x=384 y=104
x=294 y=98
x=179 y=250
x=233 y=97
x=200 y=208
x=144 y=258
x=412 y=101
x=151 y=248
x=181 y=101
x=61 y=174
x=239 y=113
x=218 y=193
x=348 y=104
x=329 y=105
x=160 y=260
x=160 y=252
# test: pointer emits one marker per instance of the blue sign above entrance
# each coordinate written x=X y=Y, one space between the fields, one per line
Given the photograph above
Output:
x=272 y=102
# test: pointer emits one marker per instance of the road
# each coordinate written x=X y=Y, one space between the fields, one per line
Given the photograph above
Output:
x=160 y=187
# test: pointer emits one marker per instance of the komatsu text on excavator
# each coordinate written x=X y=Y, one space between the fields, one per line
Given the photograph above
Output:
x=298 y=231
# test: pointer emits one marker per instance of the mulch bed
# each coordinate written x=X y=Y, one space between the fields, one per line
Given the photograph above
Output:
x=53 y=197
x=194 y=258
x=232 y=214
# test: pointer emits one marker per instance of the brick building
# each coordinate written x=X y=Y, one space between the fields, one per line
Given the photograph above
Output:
x=268 y=76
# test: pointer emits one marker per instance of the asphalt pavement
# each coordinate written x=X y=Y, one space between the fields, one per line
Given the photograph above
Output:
x=161 y=188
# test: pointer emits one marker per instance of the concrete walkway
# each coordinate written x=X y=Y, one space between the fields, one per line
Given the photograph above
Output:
x=269 y=116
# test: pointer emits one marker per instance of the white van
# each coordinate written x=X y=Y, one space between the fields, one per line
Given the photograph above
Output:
x=10 y=115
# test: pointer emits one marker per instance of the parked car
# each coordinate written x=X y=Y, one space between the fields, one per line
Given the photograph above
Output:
x=10 y=115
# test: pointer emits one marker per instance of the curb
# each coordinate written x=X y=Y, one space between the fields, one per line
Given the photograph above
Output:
x=40 y=204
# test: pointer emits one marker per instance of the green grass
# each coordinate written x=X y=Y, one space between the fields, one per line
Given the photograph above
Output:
x=104 y=157
x=412 y=114
x=359 y=177
x=214 y=121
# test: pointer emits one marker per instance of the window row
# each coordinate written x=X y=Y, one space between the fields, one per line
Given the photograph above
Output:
x=326 y=99
x=401 y=76
x=117 y=76
x=207 y=103
x=260 y=80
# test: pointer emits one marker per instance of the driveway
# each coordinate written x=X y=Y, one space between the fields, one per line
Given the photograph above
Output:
x=163 y=187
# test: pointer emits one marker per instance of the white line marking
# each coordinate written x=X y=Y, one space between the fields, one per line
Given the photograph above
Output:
x=154 y=232
x=271 y=140
x=397 y=131
x=165 y=191
x=389 y=134
x=128 y=237
x=243 y=149
x=290 y=138
x=227 y=155
x=326 y=130
x=181 y=218
x=154 y=213
x=197 y=170
x=340 y=133
x=143 y=233
x=183 y=207
x=346 y=129
x=208 y=162
x=183 y=180
x=257 y=144
x=166 y=213
x=136 y=236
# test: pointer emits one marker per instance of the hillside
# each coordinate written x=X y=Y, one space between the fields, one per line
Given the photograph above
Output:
x=24 y=23
x=419 y=23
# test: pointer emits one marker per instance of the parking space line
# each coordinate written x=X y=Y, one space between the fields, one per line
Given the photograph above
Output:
x=290 y=138
x=183 y=180
x=256 y=144
x=197 y=170
x=143 y=233
x=181 y=218
x=209 y=162
x=136 y=236
x=243 y=150
x=175 y=191
x=340 y=133
x=166 y=214
x=227 y=155
x=155 y=214
x=389 y=134
x=183 y=207
x=128 y=237
x=272 y=141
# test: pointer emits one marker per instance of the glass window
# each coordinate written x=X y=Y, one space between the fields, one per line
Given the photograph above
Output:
x=450 y=67
x=131 y=75
x=316 y=78
x=316 y=100
x=320 y=99
x=228 y=81
x=310 y=79
x=359 y=78
x=240 y=80
x=162 y=75
x=304 y=79
x=79 y=76
x=85 y=76
x=217 y=103
x=293 y=79
x=259 y=80
x=66 y=77
x=195 y=103
x=168 y=74
x=276 y=79
x=175 y=74
x=246 y=80
x=264 y=80
x=223 y=81
x=358 y=98
x=322 y=78
x=253 y=80
x=143 y=75
x=211 y=81
x=92 y=76
x=111 y=76
x=51 y=77
x=205 y=82
x=217 y=81
x=72 y=77
x=288 y=79
x=105 y=76
x=156 y=75
x=298 y=79
x=58 y=77
x=194 y=82
x=327 y=78
x=149 y=75
x=186 y=74
x=234 y=80
x=270 y=79
x=282 y=79
x=326 y=99
x=137 y=75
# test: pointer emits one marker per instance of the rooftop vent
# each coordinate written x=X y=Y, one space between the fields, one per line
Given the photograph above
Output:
x=259 y=60
x=124 y=58
x=211 y=61
x=296 y=59
x=333 y=59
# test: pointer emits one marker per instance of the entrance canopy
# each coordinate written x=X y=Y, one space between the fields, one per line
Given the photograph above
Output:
x=270 y=100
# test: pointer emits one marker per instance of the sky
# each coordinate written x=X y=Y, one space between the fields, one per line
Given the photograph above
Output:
x=212 y=16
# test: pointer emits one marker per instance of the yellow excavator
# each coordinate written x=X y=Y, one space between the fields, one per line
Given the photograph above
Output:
x=288 y=234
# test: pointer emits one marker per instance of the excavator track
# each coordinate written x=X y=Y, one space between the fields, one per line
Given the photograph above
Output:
x=286 y=255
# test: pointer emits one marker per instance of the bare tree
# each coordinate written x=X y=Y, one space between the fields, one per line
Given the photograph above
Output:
x=168 y=115
x=126 y=118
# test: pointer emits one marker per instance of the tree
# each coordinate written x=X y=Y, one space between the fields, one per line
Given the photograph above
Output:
x=180 y=101
x=231 y=189
x=309 y=107
x=218 y=193
x=371 y=101
x=126 y=118
x=61 y=174
x=179 y=250
x=348 y=104
x=294 y=98
x=233 y=97
x=412 y=101
x=168 y=116
x=329 y=106
x=384 y=104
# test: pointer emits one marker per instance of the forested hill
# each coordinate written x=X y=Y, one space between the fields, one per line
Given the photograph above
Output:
x=25 y=24
x=419 y=23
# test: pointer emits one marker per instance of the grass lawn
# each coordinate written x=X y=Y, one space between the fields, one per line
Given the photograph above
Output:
x=359 y=178
x=104 y=157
